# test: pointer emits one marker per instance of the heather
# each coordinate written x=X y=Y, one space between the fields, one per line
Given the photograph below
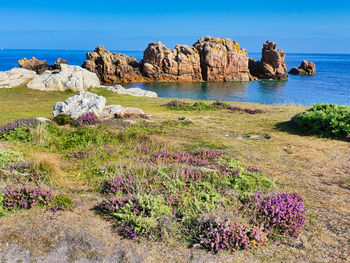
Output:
x=326 y=120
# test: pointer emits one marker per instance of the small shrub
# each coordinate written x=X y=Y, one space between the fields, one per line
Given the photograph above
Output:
x=27 y=197
x=86 y=119
x=327 y=120
x=119 y=184
x=61 y=202
x=8 y=158
x=63 y=119
x=247 y=110
x=219 y=235
x=29 y=122
x=19 y=134
x=281 y=214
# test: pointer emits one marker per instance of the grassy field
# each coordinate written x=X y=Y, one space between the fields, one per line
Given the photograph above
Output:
x=317 y=168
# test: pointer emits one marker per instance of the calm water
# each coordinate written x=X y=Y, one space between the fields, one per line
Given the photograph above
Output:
x=330 y=84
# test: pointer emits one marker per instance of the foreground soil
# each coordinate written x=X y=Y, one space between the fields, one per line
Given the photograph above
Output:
x=317 y=168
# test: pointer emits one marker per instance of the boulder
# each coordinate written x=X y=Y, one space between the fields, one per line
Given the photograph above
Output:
x=163 y=64
x=83 y=102
x=222 y=59
x=272 y=64
x=113 y=67
x=15 y=77
x=39 y=66
x=131 y=91
x=69 y=77
x=306 y=68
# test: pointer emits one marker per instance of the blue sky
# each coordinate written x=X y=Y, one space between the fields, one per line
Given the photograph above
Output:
x=296 y=26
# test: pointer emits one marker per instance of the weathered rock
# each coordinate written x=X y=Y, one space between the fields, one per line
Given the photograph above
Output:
x=272 y=64
x=185 y=119
x=113 y=67
x=306 y=68
x=83 y=102
x=131 y=91
x=163 y=64
x=222 y=59
x=39 y=66
x=74 y=78
x=15 y=77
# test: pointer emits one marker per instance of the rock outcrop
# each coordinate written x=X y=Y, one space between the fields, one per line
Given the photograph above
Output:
x=40 y=66
x=69 y=77
x=131 y=91
x=163 y=64
x=15 y=77
x=86 y=102
x=306 y=68
x=80 y=104
x=272 y=64
x=113 y=67
x=222 y=59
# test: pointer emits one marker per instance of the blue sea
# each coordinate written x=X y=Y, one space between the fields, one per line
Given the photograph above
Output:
x=331 y=84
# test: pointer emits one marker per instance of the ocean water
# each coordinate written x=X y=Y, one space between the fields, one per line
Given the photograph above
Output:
x=331 y=84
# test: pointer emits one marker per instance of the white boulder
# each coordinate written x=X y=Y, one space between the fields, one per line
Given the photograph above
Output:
x=70 y=77
x=131 y=91
x=80 y=104
x=15 y=77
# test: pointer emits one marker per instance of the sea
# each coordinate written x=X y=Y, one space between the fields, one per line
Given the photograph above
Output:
x=331 y=84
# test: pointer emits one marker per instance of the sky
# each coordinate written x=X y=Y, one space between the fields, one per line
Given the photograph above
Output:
x=296 y=26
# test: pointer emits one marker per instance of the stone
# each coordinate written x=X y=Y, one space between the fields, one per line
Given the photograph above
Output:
x=185 y=119
x=15 y=77
x=131 y=91
x=272 y=64
x=119 y=111
x=163 y=64
x=42 y=119
x=83 y=102
x=222 y=59
x=69 y=77
x=113 y=68
x=306 y=68
x=39 y=66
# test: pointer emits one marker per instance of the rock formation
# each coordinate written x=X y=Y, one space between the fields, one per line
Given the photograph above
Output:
x=306 y=68
x=163 y=64
x=222 y=59
x=209 y=59
x=131 y=91
x=113 y=67
x=86 y=102
x=15 y=77
x=271 y=65
x=40 y=66
x=69 y=77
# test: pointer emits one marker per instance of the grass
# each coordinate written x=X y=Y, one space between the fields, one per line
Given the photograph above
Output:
x=318 y=168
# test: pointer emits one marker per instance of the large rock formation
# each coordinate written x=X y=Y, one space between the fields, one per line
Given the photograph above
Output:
x=69 y=77
x=40 y=66
x=15 y=77
x=113 y=67
x=137 y=92
x=222 y=59
x=163 y=64
x=306 y=68
x=271 y=65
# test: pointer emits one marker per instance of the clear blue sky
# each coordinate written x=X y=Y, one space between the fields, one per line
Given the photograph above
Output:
x=297 y=26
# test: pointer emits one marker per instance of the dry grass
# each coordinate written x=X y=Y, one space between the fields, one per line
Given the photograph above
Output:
x=317 y=168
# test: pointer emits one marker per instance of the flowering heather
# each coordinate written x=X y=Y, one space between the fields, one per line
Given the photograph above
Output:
x=250 y=111
x=218 y=235
x=118 y=184
x=83 y=154
x=231 y=172
x=21 y=167
x=252 y=169
x=282 y=214
x=27 y=197
x=30 y=122
x=87 y=119
x=197 y=158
